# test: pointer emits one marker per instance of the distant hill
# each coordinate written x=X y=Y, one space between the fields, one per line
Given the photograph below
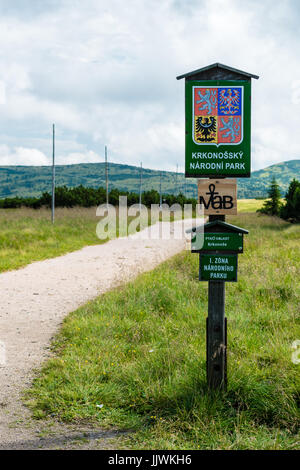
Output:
x=258 y=184
x=34 y=180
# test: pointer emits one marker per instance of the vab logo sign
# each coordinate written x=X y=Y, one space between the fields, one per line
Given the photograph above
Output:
x=217 y=115
x=218 y=196
x=215 y=200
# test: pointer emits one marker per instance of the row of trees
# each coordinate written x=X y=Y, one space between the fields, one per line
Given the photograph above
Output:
x=89 y=197
x=290 y=210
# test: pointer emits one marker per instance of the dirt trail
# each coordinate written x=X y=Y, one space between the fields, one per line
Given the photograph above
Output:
x=34 y=301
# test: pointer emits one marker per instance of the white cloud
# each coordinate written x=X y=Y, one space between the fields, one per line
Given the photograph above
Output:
x=296 y=92
x=104 y=72
x=19 y=155
x=2 y=92
x=78 y=157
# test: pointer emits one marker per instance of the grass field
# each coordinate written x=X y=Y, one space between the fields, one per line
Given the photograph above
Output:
x=28 y=235
x=249 y=205
x=134 y=358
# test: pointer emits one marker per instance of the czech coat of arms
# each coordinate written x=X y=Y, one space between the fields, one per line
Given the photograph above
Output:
x=218 y=115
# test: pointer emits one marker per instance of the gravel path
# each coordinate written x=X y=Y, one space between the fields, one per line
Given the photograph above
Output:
x=34 y=301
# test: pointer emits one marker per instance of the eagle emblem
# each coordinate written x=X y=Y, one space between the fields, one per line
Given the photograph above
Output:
x=218 y=115
x=206 y=128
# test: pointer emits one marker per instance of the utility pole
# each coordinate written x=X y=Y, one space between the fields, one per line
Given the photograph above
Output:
x=160 y=194
x=141 y=181
x=106 y=176
x=53 y=175
x=176 y=187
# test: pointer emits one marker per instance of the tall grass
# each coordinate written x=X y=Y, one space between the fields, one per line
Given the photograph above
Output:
x=28 y=235
x=139 y=351
x=249 y=205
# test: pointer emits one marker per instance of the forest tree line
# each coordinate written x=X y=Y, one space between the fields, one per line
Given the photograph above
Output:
x=290 y=208
x=89 y=197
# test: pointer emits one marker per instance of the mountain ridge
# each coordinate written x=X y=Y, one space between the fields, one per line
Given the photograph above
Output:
x=21 y=180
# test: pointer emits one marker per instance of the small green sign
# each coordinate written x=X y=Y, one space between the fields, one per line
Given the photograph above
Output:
x=218 y=267
x=218 y=242
x=218 y=127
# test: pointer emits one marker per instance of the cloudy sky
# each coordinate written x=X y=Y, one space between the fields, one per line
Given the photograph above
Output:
x=105 y=72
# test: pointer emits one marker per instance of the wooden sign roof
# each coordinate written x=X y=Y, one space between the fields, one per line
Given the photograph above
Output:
x=218 y=225
x=224 y=226
x=217 y=71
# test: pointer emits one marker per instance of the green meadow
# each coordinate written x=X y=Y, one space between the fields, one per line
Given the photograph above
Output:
x=249 y=205
x=134 y=358
x=27 y=235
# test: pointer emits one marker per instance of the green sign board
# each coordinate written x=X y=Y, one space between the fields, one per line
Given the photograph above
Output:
x=218 y=127
x=217 y=242
x=220 y=267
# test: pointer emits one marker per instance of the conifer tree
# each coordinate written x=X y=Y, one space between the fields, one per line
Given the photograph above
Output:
x=272 y=205
x=291 y=209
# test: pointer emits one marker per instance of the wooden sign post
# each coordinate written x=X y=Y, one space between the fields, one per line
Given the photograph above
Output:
x=217 y=146
x=219 y=247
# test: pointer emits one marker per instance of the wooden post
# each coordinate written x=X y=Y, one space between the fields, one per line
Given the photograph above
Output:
x=216 y=332
x=204 y=88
